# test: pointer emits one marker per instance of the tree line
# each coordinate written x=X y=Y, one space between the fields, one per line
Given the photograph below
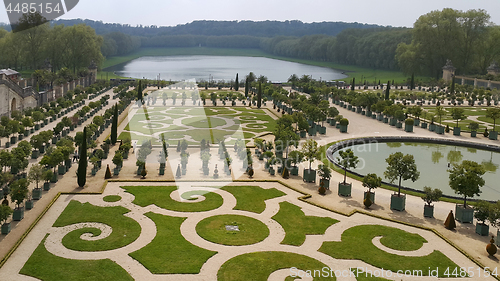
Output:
x=71 y=47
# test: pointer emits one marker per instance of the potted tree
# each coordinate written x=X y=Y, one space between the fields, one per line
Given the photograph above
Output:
x=440 y=112
x=457 y=114
x=5 y=212
x=466 y=180
x=400 y=167
x=205 y=158
x=371 y=181
x=493 y=113
x=430 y=196
x=18 y=192
x=482 y=214
x=295 y=157
x=400 y=116
x=118 y=161
x=473 y=126
x=346 y=160
x=343 y=125
x=310 y=150
x=47 y=177
x=409 y=125
x=325 y=173
x=36 y=175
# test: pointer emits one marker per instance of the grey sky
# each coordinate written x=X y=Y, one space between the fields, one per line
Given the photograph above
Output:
x=170 y=12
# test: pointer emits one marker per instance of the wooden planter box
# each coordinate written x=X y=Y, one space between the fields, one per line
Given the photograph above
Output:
x=393 y=121
x=345 y=189
x=37 y=193
x=380 y=117
x=398 y=202
x=61 y=169
x=303 y=134
x=408 y=128
x=6 y=228
x=309 y=175
x=416 y=122
x=54 y=178
x=322 y=130
x=372 y=196
x=326 y=183
x=482 y=229
x=456 y=131
x=473 y=134
x=464 y=215
x=399 y=125
x=428 y=211
x=423 y=125
x=18 y=214
x=440 y=130
x=343 y=128
x=493 y=135
x=432 y=127
x=312 y=131
x=29 y=204
x=294 y=171
x=46 y=186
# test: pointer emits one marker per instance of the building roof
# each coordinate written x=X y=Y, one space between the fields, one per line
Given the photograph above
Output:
x=8 y=72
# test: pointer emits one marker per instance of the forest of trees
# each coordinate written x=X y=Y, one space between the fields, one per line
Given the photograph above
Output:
x=72 y=47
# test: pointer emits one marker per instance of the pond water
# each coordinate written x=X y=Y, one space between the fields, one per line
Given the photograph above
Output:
x=177 y=68
x=432 y=162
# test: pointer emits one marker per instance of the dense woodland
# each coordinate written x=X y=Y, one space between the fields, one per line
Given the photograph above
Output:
x=467 y=38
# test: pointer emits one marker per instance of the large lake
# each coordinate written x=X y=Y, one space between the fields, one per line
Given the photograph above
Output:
x=177 y=68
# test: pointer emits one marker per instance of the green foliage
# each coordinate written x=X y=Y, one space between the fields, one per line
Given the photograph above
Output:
x=401 y=167
x=19 y=191
x=324 y=171
x=5 y=212
x=310 y=150
x=431 y=195
x=457 y=113
x=493 y=113
x=114 y=125
x=372 y=181
x=466 y=179
x=82 y=162
x=347 y=160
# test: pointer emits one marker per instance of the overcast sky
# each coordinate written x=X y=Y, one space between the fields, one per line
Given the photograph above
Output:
x=173 y=12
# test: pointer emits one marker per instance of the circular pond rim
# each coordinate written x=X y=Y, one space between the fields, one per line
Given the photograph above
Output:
x=367 y=140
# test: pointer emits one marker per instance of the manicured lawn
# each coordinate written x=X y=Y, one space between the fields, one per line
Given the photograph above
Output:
x=259 y=265
x=252 y=198
x=197 y=123
x=125 y=229
x=160 y=196
x=367 y=277
x=112 y=198
x=213 y=229
x=297 y=225
x=170 y=252
x=48 y=267
x=356 y=244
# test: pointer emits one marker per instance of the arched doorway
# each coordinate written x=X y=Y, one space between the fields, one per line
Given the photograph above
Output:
x=13 y=105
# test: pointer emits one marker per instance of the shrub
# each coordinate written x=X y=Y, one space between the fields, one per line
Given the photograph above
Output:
x=486 y=134
x=344 y=122
x=409 y=122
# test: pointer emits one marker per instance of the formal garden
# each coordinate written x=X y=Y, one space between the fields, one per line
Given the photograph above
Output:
x=151 y=230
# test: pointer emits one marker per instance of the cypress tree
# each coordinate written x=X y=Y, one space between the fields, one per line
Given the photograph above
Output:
x=452 y=90
x=259 y=96
x=139 y=92
x=114 y=125
x=82 y=162
x=246 y=88
x=387 y=90
x=412 y=82
x=236 y=83
x=353 y=83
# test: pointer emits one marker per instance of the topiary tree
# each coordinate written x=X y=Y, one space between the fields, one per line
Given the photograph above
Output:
x=35 y=174
x=431 y=195
x=372 y=181
x=310 y=150
x=401 y=167
x=19 y=191
x=466 y=179
x=107 y=175
x=114 y=125
x=259 y=95
x=82 y=162
x=457 y=114
x=347 y=160
x=493 y=113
